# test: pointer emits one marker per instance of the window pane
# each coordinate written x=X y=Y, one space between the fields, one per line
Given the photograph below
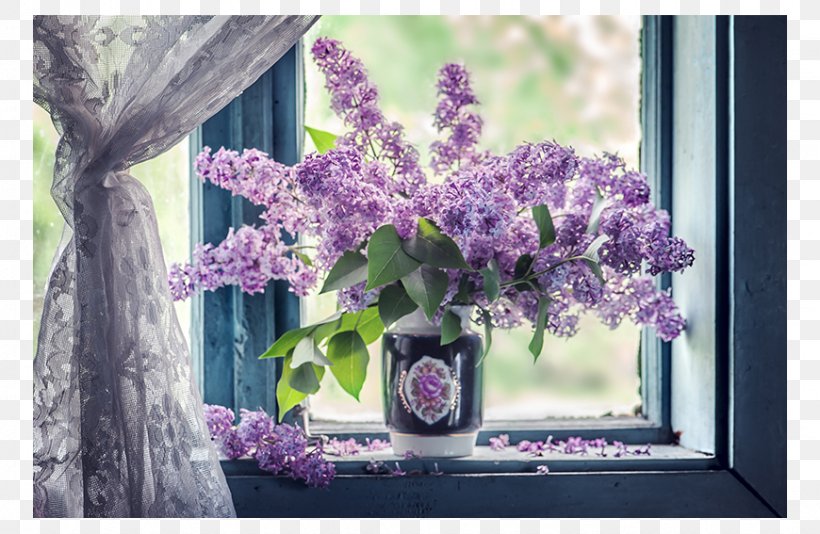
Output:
x=575 y=80
x=167 y=179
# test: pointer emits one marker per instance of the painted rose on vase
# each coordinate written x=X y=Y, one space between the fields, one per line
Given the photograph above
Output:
x=429 y=389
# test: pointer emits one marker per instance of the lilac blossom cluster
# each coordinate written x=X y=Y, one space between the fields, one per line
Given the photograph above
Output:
x=356 y=100
x=482 y=201
x=279 y=449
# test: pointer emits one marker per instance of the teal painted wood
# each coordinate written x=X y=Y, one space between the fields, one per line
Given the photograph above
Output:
x=235 y=327
x=216 y=341
x=254 y=329
x=288 y=135
x=656 y=161
x=509 y=461
x=600 y=494
x=758 y=256
x=695 y=185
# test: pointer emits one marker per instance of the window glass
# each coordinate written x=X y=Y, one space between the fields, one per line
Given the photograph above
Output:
x=167 y=179
x=575 y=80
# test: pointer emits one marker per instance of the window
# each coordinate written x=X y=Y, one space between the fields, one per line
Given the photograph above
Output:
x=713 y=94
x=576 y=80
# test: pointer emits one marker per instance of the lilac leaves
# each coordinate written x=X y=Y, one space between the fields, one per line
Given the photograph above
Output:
x=348 y=353
x=386 y=259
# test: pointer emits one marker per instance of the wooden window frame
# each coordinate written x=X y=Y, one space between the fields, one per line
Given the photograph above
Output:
x=732 y=366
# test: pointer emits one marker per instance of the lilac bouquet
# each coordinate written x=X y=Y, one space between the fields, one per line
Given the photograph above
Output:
x=539 y=235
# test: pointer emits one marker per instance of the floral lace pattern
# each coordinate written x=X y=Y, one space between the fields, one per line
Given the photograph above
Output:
x=118 y=423
x=430 y=389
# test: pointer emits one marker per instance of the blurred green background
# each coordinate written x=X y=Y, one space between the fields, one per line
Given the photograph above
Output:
x=575 y=80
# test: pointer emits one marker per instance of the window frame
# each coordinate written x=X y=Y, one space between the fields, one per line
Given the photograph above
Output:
x=745 y=475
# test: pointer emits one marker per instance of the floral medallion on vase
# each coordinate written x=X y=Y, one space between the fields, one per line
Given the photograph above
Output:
x=429 y=389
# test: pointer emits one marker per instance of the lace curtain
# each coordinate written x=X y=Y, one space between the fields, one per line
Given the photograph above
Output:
x=118 y=424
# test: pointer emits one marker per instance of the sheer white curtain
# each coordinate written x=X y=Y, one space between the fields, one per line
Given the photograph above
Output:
x=118 y=424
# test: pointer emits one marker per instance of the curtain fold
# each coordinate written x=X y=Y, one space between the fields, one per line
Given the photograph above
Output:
x=118 y=423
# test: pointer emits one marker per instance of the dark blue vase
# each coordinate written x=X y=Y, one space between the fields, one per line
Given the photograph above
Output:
x=432 y=394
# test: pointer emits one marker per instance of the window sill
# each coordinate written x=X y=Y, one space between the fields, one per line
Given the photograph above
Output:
x=672 y=482
x=624 y=428
x=486 y=461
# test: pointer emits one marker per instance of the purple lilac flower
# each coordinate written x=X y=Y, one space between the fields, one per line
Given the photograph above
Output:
x=500 y=443
x=254 y=427
x=249 y=258
x=281 y=448
x=464 y=127
x=570 y=230
x=376 y=444
x=538 y=173
x=219 y=419
x=398 y=471
x=374 y=467
x=314 y=470
x=355 y=298
x=575 y=445
x=610 y=174
x=523 y=445
x=640 y=300
x=231 y=445
x=348 y=447
x=642 y=234
x=409 y=455
x=535 y=448
x=347 y=208
x=354 y=98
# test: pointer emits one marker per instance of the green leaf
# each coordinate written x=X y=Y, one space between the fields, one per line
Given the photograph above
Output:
x=450 y=327
x=597 y=208
x=488 y=336
x=370 y=325
x=349 y=270
x=491 y=280
x=303 y=257
x=366 y=322
x=537 y=342
x=386 y=260
x=426 y=286
x=543 y=220
x=464 y=288
x=432 y=247
x=323 y=140
x=286 y=342
x=307 y=351
x=596 y=269
x=522 y=267
x=304 y=378
x=394 y=303
x=286 y=396
x=591 y=251
x=349 y=355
